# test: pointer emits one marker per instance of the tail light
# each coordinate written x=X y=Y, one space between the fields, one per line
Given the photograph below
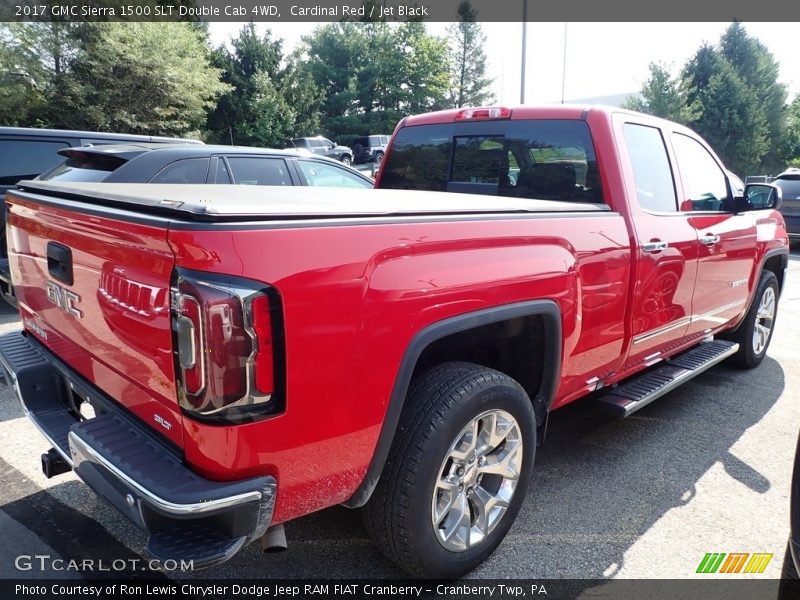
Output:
x=483 y=114
x=228 y=347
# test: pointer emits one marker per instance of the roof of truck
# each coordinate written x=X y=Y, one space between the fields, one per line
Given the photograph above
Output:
x=231 y=202
x=544 y=111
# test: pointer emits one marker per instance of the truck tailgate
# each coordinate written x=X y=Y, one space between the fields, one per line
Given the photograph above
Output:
x=96 y=291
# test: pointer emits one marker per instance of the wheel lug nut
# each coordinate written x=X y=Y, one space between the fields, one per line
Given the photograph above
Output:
x=472 y=458
x=460 y=488
x=469 y=491
x=482 y=461
x=460 y=471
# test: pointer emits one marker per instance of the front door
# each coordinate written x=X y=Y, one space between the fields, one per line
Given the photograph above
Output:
x=727 y=241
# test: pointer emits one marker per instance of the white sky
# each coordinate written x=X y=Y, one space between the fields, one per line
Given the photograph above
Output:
x=601 y=58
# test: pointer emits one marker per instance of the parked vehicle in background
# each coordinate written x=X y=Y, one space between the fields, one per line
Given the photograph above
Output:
x=324 y=147
x=26 y=152
x=789 y=183
x=186 y=164
x=737 y=185
x=252 y=355
x=370 y=148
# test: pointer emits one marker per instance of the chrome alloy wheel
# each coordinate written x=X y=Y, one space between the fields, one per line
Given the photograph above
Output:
x=764 y=320
x=477 y=480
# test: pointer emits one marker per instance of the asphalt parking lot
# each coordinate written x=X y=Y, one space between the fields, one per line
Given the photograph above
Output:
x=705 y=469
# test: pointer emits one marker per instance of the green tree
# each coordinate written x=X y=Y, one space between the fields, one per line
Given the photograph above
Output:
x=303 y=95
x=791 y=141
x=663 y=96
x=426 y=73
x=152 y=78
x=729 y=115
x=271 y=120
x=373 y=73
x=254 y=60
x=34 y=58
x=759 y=71
x=469 y=83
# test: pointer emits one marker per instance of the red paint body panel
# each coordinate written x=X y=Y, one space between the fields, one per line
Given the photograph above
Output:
x=355 y=293
x=354 y=296
x=122 y=342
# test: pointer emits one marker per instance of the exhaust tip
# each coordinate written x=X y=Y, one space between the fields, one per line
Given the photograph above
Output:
x=274 y=540
x=54 y=464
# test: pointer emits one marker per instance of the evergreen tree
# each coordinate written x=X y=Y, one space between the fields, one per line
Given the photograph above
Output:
x=251 y=71
x=759 y=70
x=663 y=96
x=729 y=115
x=469 y=84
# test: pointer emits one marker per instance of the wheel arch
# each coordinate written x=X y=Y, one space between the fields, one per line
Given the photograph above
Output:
x=775 y=260
x=547 y=310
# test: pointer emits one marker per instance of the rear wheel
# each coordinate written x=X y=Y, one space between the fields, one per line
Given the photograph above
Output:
x=457 y=472
x=378 y=158
x=346 y=159
x=755 y=332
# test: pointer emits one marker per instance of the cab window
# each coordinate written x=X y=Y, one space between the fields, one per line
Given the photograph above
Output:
x=704 y=182
x=655 y=187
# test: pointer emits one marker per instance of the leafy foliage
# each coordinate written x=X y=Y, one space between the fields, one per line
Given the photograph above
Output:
x=374 y=73
x=663 y=96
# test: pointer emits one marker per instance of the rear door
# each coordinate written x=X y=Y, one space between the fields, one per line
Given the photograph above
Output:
x=666 y=266
x=727 y=241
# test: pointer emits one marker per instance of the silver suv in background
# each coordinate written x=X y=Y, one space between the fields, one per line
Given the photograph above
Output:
x=323 y=147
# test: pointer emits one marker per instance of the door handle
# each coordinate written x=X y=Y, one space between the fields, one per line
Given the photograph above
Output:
x=59 y=262
x=709 y=240
x=654 y=246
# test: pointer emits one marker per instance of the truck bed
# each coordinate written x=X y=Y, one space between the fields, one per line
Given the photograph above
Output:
x=247 y=203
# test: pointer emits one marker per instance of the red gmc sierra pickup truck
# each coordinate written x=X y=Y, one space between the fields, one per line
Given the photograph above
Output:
x=215 y=360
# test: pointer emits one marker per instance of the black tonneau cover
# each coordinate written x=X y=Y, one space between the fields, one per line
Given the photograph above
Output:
x=238 y=203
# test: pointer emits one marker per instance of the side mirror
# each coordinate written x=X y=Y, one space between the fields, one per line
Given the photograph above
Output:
x=760 y=196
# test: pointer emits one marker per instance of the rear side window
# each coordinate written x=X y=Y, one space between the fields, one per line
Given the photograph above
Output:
x=541 y=159
x=259 y=171
x=420 y=159
x=321 y=175
x=655 y=188
x=789 y=187
x=87 y=168
x=25 y=159
x=191 y=170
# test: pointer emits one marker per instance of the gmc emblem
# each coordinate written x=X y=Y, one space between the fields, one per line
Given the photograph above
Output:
x=63 y=299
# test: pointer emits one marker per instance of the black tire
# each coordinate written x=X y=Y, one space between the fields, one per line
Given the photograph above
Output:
x=378 y=158
x=346 y=159
x=789 y=588
x=747 y=357
x=440 y=403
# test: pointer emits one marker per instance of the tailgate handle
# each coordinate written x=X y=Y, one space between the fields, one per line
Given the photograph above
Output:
x=59 y=262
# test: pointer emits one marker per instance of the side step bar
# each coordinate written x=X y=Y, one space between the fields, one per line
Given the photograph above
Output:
x=629 y=397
